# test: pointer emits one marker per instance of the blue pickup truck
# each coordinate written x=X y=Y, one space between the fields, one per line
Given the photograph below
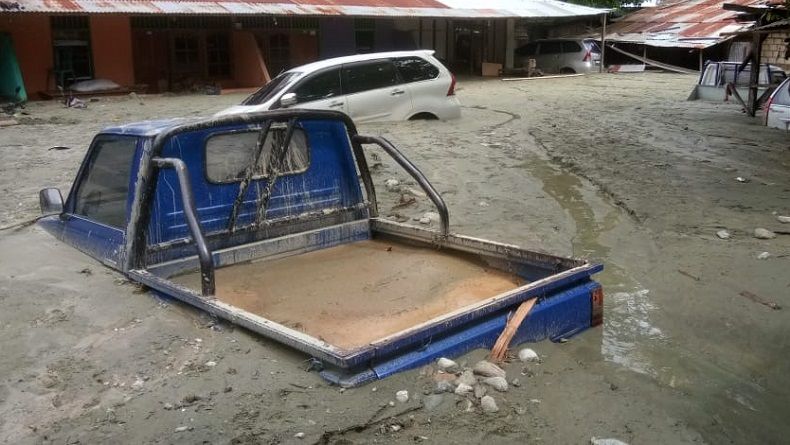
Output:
x=270 y=221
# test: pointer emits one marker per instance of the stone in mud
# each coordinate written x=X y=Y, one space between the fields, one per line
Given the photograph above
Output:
x=391 y=184
x=480 y=391
x=431 y=216
x=463 y=389
x=444 y=386
x=488 y=404
x=447 y=365
x=488 y=369
x=595 y=441
x=467 y=378
x=402 y=396
x=515 y=382
x=498 y=383
x=528 y=355
x=299 y=435
x=763 y=256
x=761 y=233
x=723 y=234
x=424 y=221
x=783 y=219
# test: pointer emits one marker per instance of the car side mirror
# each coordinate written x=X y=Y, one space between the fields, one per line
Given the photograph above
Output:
x=288 y=99
x=51 y=201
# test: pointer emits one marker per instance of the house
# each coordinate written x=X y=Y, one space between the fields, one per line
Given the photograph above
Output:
x=172 y=44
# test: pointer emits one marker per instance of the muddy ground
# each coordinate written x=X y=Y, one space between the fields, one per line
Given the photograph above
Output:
x=615 y=168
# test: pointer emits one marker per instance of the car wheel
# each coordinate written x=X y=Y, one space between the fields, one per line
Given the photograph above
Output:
x=424 y=116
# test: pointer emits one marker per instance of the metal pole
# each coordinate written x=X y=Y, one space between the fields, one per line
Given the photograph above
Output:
x=603 y=41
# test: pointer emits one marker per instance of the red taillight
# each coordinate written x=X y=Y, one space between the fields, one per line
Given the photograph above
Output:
x=587 y=56
x=596 y=298
x=451 y=91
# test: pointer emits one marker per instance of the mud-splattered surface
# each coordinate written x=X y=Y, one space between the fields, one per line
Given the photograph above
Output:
x=618 y=169
x=355 y=294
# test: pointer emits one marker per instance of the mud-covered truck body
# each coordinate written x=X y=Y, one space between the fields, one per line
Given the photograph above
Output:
x=270 y=221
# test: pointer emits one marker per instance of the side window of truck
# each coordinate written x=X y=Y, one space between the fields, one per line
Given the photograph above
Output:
x=104 y=187
x=229 y=154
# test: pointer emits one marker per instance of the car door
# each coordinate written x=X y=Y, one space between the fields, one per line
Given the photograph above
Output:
x=321 y=91
x=549 y=58
x=374 y=91
x=779 y=107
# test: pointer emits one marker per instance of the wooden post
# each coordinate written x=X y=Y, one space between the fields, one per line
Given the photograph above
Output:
x=603 y=41
x=754 y=77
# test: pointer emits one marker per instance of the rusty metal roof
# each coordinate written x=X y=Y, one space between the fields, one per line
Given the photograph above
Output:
x=681 y=24
x=360 y=8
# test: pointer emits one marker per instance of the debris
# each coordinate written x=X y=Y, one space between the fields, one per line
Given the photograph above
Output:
x=59 y=147
x=299 y=435
x=424 y=221
x=168 y=406
x=467 y=378
x=138 y=383
x=402 y=396
x=432 y=401
x=404 y=201
x=73 y=102
x=488 y=369
x=181 y=429
x=391 y=184
x=483 y=204
x=444 y=386
x=723 y=234
x=391 y=403
x=498 y=383
x=211 y=364
x=463 y=389
x=395 y=428
x=431 y=216
x=761 y=233
x=528 y=355
x=741 y=179
x=783 y=219
x=684 y=273
x=757 y=299
x=488 y=404
x=499 y=351
x=515 y=382
x=763 y=256
x=374 y=389
x=595 y=441
x=446 y=365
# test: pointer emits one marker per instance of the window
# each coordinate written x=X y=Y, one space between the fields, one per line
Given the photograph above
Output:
x=571 y=47
x=529 y=49
x=71 y=49
x=271 y=89
x=104 y=187
x=550 y=47
x=186 y=53
x=229 y=154
x=415 y=69
x=320 y=86
x=218 y=55
x=368 y=76
x=364 y=35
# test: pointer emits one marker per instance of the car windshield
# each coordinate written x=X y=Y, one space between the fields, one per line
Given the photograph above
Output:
x=271 y=89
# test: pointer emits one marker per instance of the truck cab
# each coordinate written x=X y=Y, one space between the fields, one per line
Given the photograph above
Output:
x=270 y=221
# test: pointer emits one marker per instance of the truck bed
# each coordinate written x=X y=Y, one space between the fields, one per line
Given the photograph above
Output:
x=354 y=294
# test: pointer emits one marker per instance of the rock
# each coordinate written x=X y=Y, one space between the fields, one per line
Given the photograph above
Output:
x=402 y=396
x=138 y=383
x=528 y=355
x=515 y=382
x=595 y=441
x=391 y=403
x=741 y=179
x=432 y=401
x=783 y=219
x=488 y=404
x=480 y=391
x=761 y=233
x=168 y=406
x=431 y=216
x=447 y=365
x=181 y=429
x=299 y=435
x=444 y=386
x=424 y=221
x=391 y=184
x=763 y=256
x=498 y=383
x=463 y=389
x=415 y=192
x=723 y=234
x=211 y=364
x=483 y=204
x=488 y=369
x=467 y=378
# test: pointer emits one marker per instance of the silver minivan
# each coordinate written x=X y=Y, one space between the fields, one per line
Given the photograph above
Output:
x=565 y=56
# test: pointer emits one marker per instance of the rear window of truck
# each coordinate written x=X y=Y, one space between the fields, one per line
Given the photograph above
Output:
x=229 y=154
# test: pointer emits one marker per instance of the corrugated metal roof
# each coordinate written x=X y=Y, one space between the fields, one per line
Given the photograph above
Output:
x=681 y=24
x=364 y=8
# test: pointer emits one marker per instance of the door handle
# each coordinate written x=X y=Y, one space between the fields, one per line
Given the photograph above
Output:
x=336 y=104
x=396 y=92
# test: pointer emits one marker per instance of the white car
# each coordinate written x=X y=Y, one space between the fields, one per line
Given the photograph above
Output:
x=777 y=109
x=368 y=87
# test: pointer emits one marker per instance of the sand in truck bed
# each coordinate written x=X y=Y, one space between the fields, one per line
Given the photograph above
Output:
x=354 y=294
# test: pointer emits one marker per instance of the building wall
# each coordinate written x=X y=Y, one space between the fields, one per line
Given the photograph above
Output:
x=336 y=36
x=775 y=49
x=249 y=68
x=111 y=45
x=32 y=39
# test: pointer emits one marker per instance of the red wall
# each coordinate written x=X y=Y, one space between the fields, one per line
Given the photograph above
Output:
x=33 y=46
x=111 y=44
x=249 y=69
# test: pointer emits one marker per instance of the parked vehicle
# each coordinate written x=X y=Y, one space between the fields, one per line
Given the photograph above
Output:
x=716 y=75
x=777 y=108
x=290 y=245
x=368 y=87
x=566 y=56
